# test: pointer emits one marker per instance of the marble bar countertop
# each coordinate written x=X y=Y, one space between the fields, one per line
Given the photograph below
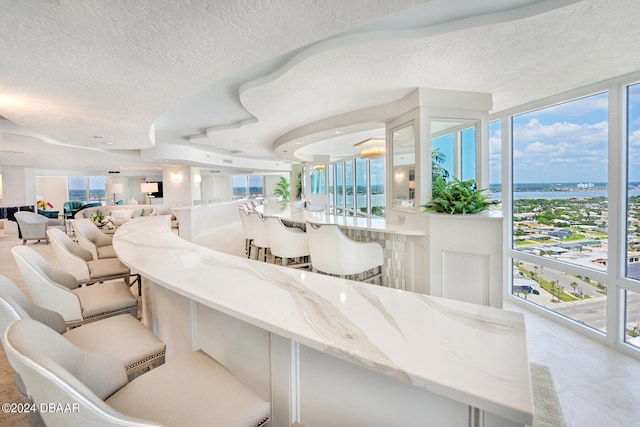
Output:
x=470 y=353
x=286 y=210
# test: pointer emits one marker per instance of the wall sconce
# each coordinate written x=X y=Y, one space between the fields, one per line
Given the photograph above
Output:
x=399 y=176
x=176 y=177
x=197 y=179
x=149 y=187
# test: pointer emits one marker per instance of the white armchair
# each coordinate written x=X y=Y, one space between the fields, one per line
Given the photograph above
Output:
x=193 y=390
x=287 y=242
x=334 y=253
x=247 y=232
x=260 y=236
x=80 y=262
x=32 y=226
x=92 y=239
x=122 y=336
x=59 y=291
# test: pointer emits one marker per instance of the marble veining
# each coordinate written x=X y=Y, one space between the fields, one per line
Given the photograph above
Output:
x=473 y=354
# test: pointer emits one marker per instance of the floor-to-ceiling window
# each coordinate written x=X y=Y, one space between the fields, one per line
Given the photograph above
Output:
x=632 y=223
x=246 y=186
x=573 y=188
x=376 y=186
x=495 y=159
x=358 y=186
x=88 y=189
x=560 y=208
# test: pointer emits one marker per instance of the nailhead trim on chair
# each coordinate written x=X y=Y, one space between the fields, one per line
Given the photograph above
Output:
x=123 y=310
x=155 y=356
x=263 y=422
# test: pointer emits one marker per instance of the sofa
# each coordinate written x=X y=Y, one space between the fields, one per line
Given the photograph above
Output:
x=119 y=214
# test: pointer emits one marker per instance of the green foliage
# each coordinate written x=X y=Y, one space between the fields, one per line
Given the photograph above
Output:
x=299 y=186
x=282 y=189
x=457 y=197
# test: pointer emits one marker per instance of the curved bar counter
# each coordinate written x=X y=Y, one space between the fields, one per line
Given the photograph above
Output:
x=328 y=351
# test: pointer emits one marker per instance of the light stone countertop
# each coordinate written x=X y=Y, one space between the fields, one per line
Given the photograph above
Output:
x=470 y=353
x=285 y=210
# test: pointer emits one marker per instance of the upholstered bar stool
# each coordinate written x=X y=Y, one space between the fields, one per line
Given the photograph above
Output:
x=80 y=262
x=193 y=390
x=122 y=336
x=92 y=239
x=59 y=291
x=334 y=253
x=247 y=231
x=260 y=235
x=287 y=242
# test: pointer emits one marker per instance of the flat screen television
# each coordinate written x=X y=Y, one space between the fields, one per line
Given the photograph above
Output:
x=159 y=192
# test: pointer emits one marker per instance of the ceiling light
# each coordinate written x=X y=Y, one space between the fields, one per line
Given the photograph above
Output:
x=372 y=148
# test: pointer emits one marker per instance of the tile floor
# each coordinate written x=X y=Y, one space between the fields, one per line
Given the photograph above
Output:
x=597 y=385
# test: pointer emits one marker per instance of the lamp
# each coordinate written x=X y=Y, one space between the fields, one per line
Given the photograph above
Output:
x=149 y=187
x=113 y=189
x=372 y=148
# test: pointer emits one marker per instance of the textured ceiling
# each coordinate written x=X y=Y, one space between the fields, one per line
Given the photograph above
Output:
x=231 y=77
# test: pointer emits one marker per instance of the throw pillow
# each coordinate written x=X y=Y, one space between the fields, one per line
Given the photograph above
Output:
x=121 y=214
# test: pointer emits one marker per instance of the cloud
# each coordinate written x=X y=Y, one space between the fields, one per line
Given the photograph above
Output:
x=539 y=147
x=559 y=150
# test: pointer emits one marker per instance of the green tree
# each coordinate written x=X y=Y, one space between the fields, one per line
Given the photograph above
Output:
x=574 y=285
x=437 y=160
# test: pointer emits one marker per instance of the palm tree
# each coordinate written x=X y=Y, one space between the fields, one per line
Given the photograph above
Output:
x=554 y=289
x=437 y=160
x=574 y=285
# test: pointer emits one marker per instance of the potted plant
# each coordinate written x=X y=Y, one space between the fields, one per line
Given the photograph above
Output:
x=457 y=197
x=282 y=188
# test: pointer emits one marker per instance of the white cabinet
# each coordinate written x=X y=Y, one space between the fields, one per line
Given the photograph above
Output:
x=466 y=257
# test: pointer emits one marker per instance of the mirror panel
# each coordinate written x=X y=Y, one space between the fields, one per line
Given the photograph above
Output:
x=403 y=144
x=454 y=150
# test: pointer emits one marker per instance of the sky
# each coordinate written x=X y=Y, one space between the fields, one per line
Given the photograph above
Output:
x=566 y=142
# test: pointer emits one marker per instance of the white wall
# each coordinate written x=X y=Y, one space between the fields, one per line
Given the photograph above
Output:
x=18 y=185
x=177 y=191
x=52 y=189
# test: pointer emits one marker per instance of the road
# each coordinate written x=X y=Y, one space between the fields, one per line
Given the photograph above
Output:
x=592 y=311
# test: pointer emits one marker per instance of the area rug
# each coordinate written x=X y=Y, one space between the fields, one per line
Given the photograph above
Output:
x=547 y=411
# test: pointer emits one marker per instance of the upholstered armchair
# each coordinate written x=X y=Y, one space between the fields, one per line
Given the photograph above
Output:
x=59 y=291
x=191 y=390
x=31 y=226
x=92 y=239
x=122 y=336
x=334 y=253
x=71 y=207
